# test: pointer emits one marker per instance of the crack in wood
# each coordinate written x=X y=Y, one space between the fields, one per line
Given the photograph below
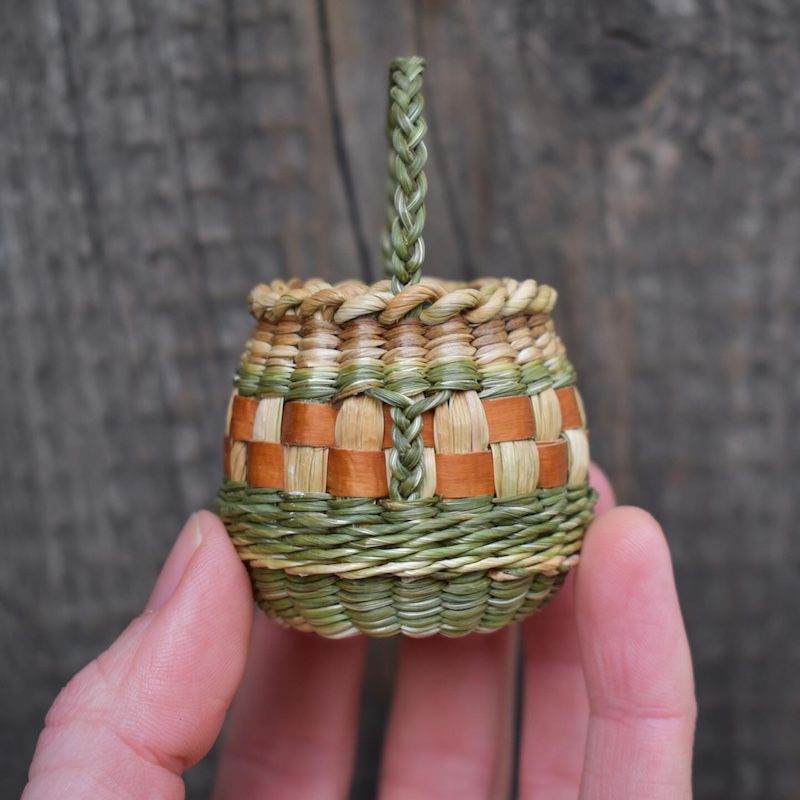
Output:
x=340 y=147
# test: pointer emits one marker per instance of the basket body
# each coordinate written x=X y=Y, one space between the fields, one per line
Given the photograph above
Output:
x=342 y=402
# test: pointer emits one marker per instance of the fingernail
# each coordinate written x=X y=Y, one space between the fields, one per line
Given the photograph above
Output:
x=191 y=537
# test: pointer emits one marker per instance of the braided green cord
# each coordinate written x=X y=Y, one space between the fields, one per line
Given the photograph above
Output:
x=403 y=254
x=405 y=458
x=403 y=246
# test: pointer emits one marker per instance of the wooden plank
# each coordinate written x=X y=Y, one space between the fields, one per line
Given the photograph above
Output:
x=158 y=159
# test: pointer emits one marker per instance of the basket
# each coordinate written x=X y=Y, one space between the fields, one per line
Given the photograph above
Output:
x=409 y=457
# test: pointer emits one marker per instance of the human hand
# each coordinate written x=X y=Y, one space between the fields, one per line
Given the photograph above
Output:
x=609 y=704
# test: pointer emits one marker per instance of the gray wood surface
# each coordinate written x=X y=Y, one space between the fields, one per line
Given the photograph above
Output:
x=157 y=158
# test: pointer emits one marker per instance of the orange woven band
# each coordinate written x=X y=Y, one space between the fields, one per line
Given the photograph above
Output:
x=553 y=463
x=265 y=465
x=571 y=416
x=353 y=473
x=314 y=424
x=510 y=419
x=243 y=418
x=465 y=474
x=309 y=425
x=226 y=458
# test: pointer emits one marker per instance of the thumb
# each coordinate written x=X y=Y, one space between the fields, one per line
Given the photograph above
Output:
x=151 y=706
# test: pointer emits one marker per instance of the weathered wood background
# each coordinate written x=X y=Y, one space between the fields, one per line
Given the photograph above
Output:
x=159 y=157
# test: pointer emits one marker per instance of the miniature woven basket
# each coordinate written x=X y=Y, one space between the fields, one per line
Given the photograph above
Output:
x=409 y=457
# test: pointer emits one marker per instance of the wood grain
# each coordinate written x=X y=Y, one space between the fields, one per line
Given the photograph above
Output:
x=157 y=159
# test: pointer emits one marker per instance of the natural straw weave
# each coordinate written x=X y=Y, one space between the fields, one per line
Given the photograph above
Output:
x=408 y=457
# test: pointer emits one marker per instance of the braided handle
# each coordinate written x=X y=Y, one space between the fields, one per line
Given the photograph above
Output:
x=403 y=246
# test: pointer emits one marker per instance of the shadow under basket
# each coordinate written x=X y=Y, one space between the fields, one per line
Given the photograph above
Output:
x=408 y=457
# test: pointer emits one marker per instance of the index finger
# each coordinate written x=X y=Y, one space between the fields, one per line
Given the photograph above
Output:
x=293 y=724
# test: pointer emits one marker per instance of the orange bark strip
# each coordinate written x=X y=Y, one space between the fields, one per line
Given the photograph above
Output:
x=570 y=413
x=226 y=456
x=510 y=419
x=243 y=418
x=464 y=475
x=553 y=461
x=427 y=427
x=265 y=465
x=309 y=424
x=357 y=473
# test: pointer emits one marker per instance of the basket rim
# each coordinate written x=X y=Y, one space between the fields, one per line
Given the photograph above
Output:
x=439 y=300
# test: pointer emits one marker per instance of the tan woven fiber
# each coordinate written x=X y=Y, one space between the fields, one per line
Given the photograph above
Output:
x=409 y=457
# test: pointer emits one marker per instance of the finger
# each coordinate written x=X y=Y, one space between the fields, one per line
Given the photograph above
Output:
x=555 y=713
x=450 y=728
x=636 y=662
x=152 y=705
x=556 y=707
x=294 y=723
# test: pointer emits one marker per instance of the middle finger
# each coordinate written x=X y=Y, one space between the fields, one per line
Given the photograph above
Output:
x=450 y=730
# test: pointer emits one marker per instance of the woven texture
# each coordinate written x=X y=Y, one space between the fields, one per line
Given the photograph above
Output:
x=408 y=457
